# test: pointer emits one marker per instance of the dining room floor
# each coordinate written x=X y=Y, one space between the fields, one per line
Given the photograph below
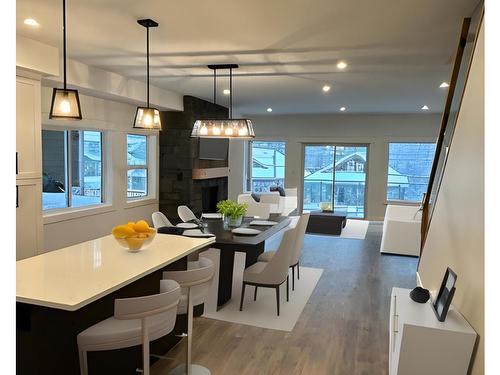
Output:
x=343 y=329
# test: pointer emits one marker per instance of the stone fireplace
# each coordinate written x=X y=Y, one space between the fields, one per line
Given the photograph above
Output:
x=184 y=179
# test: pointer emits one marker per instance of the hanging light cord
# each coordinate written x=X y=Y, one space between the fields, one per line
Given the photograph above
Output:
x=215 y=92
x=230 y=93
x=64 y=41
x=147 y=63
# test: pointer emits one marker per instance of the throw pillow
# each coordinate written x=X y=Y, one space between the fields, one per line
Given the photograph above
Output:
x=279 y=189
x=256 y=197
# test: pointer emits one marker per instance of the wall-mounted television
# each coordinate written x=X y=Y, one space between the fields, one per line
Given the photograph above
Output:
x=213 y=149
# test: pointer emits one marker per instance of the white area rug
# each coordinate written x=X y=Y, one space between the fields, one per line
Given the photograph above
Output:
x=355 y=229
x=262 y=313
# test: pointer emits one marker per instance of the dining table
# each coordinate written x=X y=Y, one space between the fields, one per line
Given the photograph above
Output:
x=230 y=243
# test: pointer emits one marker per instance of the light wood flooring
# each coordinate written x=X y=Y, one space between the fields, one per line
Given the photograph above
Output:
x=342 y=330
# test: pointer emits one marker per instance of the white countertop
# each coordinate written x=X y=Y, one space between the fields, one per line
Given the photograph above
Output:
x=75 y=276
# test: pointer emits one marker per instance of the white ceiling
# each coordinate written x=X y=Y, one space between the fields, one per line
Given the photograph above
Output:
x=398 y=51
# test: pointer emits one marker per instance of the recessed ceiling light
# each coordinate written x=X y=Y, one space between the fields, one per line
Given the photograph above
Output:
x=425 y=108
x=341 y=65
x=326 y=88
x=31 y=22
x=444 y=85
x=269 y=109
x=342 y=109
x=226 y=92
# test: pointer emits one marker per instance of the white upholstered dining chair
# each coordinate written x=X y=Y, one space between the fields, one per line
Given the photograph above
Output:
x=273 y=273
x=296 y=250
x=136 y=321
x=160 y=220
x=185 y=213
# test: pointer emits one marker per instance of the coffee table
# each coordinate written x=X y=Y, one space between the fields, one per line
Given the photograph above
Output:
x=326 y=222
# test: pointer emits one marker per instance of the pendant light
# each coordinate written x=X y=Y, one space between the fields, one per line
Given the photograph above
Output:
x=225 y=128
x=147 y=117
x=65 y=102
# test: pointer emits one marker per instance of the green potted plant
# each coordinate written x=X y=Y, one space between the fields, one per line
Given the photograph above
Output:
x=232 y=212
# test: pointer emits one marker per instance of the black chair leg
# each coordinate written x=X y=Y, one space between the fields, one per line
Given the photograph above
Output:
x=242 y=296
x=287 y=287
x=293 y=278
x=278 y=299
x=255 y=294
x=298 y=271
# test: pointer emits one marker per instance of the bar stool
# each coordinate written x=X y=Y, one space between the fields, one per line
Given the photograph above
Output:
x=127 y=327
x=185 y=214
x=194 y=283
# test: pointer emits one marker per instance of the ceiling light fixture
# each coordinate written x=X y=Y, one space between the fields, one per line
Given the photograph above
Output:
x=223 y=128
x=269 y=109
x=31 y=22
x=341 y=65
x=342 y=109
x=326 y=88
x=425 y=108
x=147 y=117
x=444 y=85
x=226 y=91
x=65 y=102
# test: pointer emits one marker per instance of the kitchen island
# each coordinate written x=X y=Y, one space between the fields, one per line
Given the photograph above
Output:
x=63 y=292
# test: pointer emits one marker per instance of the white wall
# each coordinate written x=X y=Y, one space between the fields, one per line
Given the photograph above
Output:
x=375 y=130
x=115 y=120
x=456 y=234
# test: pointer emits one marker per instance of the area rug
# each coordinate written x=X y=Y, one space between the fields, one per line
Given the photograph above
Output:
x=355 y=229
x=262 y=313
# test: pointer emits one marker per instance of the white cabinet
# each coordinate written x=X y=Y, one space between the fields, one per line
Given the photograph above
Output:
x=420 y=344
x=28 y=168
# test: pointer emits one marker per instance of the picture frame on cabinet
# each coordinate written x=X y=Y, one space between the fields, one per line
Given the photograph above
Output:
x=443 y=300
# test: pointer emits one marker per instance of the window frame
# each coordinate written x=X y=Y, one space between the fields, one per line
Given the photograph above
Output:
x=402 y=201
x=149 y=167
x=249 y=162
x=69 y=208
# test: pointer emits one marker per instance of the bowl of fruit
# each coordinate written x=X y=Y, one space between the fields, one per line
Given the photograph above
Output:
x=134 y=236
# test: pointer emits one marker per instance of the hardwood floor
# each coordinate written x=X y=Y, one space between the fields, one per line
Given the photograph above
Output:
x=342 y=330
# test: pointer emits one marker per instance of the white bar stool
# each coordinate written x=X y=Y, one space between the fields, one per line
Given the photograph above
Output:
x=136 y=321
x=195 y=283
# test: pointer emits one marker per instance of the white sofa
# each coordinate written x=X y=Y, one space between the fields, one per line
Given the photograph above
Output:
x=279 y=205
x=401 y=230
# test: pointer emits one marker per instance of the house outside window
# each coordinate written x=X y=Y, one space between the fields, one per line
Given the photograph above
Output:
x=137 y=166
x=409 y=169
x=72 y=168
x=267 y=165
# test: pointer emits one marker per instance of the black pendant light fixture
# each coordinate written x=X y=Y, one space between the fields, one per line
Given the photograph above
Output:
x=225 y=128
x=65 y=102
x=147 y=117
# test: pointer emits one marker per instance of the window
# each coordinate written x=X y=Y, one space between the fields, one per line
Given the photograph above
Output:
x=137 y=166
x=409 y=169
x=72 y=168
x=335 y=174
x=267 y=165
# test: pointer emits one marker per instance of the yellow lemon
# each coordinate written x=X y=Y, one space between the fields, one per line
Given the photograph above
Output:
x=142 y=235
x=131 y=224
x=122 y=231
x=134 y=243
x=141 y=226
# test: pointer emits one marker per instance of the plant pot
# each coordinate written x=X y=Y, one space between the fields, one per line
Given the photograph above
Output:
x=232 y=221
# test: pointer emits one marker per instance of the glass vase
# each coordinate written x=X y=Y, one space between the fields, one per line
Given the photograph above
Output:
x=232 y=222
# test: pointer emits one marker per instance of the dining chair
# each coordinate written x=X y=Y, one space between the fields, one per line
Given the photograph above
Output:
x=296 y=250
x=160 y=220
x=136 y=321
x=195 y=284
x=259 y=210
x=274 y=200
x=273 y=273
x=185 y=213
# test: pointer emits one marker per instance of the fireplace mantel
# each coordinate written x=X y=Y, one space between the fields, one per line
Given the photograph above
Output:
x=207 y=173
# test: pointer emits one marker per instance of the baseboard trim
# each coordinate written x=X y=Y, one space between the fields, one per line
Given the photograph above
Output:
x=419 y=280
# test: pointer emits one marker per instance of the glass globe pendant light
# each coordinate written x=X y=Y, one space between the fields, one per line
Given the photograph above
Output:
x=65 y=102
x=147 y=117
